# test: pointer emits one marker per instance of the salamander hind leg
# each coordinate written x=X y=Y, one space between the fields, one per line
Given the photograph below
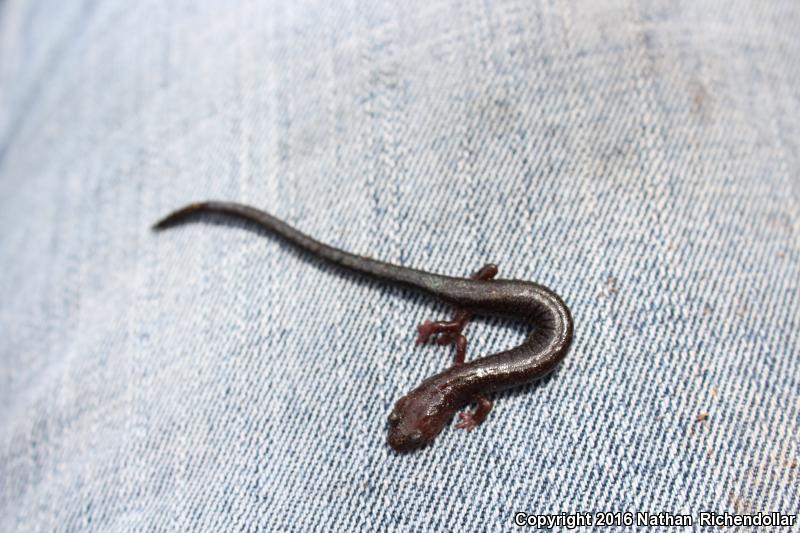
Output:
x=450 y=331
x=472 y=419
x=427 y=329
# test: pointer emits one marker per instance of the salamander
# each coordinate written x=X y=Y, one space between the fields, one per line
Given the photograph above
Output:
x=419 y=416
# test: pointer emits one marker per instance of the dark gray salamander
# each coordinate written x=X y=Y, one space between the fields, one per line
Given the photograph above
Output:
x=419 y=416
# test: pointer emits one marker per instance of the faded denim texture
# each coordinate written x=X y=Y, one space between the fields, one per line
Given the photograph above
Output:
x=640 y=158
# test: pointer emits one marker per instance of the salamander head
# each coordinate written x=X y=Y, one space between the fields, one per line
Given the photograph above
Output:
x=417 y=418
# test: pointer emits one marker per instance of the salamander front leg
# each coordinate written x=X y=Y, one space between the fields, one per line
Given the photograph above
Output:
x=471 y=420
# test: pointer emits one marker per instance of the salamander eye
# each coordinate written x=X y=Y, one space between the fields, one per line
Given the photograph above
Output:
x=415 y=438
x=395 y=418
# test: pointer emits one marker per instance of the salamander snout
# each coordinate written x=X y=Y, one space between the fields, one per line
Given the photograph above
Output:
x=416 y=419
x=404 y=442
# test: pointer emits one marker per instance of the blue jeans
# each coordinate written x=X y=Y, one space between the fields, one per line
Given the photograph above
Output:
x=642 y=160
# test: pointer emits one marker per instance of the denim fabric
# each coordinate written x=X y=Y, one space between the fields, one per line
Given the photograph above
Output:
x=640 y=158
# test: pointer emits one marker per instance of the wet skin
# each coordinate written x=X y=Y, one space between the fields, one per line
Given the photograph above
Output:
x=419 y=416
